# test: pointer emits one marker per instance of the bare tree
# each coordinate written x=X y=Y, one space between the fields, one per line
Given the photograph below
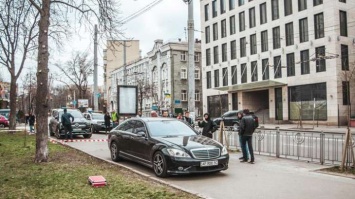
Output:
x=144 y=92
x=60 y=13
x=18 y=33
x=76 y=71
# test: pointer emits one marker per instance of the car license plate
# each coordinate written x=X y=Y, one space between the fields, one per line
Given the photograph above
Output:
x=209 y=163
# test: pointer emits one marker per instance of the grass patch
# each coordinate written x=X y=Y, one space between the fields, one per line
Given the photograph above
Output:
x=337 y=170
x=65 y=174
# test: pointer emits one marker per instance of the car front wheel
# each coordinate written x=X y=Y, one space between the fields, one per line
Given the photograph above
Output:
x=114 y=152
x=159 y=165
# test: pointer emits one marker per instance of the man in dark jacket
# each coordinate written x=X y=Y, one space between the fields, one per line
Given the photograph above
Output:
x=208 y=126
x=31 y=121
x=66 y=122
x=188 y=119
x=247 y=127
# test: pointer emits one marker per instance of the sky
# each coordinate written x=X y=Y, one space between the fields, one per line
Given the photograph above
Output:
x=166 y=20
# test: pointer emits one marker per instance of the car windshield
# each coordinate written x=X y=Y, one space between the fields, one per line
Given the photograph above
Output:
x=75 y=114
x=98 y=116
x=167 y=128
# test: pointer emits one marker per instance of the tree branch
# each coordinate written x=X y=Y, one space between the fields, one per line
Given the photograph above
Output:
x=36 y=6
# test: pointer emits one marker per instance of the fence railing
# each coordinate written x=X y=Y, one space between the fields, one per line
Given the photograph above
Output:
x=311 y=146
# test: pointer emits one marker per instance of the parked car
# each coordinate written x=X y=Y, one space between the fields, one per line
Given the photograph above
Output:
x=81 y=126
x=4 y=122
x=230 y=118
x=97 y=122
x=166 y=145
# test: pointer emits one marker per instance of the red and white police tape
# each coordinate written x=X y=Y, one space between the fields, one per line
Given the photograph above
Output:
x=78 y=140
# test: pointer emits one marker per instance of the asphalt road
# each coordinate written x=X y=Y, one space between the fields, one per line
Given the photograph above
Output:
x=268 y=178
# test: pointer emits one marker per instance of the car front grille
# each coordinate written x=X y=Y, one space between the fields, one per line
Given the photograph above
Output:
x=206 y=153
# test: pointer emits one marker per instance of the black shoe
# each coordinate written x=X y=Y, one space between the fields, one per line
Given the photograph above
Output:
x=65 y=140
x=252 y=162
x=241 y=158
x=244 y=161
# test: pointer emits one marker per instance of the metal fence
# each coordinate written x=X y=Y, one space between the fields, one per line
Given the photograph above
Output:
x=323 y=148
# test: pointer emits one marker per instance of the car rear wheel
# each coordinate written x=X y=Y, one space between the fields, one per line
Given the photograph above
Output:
x=87 y=136
x=114 y=152
x=159 y=165
x=2 y=126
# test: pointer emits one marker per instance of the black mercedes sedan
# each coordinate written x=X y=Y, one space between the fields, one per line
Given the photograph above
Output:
x=167 y=145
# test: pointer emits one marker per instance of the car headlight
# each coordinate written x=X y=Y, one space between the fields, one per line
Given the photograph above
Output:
x=178 y=153
x=224 y=151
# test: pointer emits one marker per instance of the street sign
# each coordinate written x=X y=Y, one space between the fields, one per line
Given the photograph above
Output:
x=177 y=101
x=74 y=102
x=98 y=95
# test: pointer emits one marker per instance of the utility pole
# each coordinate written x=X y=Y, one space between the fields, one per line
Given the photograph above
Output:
x=191 y=52
x=124 y=64
x=96 y=101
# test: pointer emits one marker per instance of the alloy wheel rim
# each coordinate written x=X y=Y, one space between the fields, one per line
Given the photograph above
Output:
x=2 y=125
x=158 y=164
x=113 y=151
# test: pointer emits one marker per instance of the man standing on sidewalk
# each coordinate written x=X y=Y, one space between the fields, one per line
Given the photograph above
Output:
x=247 y=127
x=115 y=118
x=31 y=121
x=67 y=124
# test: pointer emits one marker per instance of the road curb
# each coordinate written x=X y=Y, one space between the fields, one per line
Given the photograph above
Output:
x=136 y=171
x=335 y=174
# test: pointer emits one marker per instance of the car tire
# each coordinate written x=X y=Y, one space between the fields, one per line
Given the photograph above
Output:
x=58 y=135
x=2 y=125
x=159 y=165
x=87 y=135
x=114 y=152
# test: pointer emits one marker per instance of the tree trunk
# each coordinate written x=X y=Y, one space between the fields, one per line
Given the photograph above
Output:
x=42 y=85
x=13 y=102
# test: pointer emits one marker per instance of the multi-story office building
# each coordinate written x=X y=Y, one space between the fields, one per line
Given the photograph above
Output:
x=162 y=75
x=287 y=59
x=114 y=56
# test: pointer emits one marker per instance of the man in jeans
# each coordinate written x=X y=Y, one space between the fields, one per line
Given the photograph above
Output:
x=66 y=122
x=247 y=127
x=240 y=116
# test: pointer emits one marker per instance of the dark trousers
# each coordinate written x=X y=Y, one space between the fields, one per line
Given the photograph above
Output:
x=248 y=140
x=68 y=131
x=245 y=147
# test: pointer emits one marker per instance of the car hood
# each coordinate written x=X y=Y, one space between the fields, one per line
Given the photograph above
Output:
x=80 y=120
x=97 y=120
x=189 y=142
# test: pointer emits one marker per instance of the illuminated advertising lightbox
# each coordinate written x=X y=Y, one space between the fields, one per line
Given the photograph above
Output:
x=127 y=100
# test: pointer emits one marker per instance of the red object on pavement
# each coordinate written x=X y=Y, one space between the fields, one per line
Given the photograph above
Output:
x=97 y=181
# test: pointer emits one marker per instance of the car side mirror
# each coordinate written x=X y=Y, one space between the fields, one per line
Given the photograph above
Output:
x=141 y=134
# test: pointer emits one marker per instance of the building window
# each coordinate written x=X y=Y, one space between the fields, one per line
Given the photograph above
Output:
x=317 y=2
x=214 y=8
x=225 y=76
x=197 y=57
x=207 y=34
x=243 y=69
x=234 y=74
x=243 y=46
x=241 y=21
x=233 y=49
x=264 y=41
x=215 y=31
x=224 y=52
x=254 y=71
x=276 y=37
x=344 y=57
x=303 y=30
x=223 y=28
x=223 y=6
x=304 y=62
x=320 y=61
x=216 y=78
x=183 y=74
x=252 y=18
x=265 y=68
x=183 y=56
x=197 y=74
x=183 y=95
x=290 y=64
x=263 y=13
x=240 y=2
x=289 y=34
x=231 y=4
x=277 y=67
x=253 y=48
x=207 y=7
x=208 y=57
x=208 y=79
x=302 y=5
x=346 y=89
x=343 y=24
x=275 y=9
x=318 y=26
x=197 y=96
x=215 y=55
x=232 y=24
x=288 y=7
